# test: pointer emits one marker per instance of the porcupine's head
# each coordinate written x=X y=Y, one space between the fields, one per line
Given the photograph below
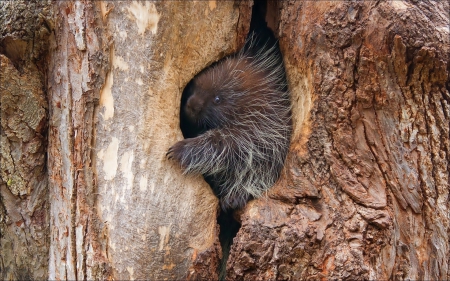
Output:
x=241 y=90
x=212 y=98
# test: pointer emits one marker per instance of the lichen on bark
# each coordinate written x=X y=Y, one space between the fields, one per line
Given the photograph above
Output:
x=23 y=121
x=24 y=31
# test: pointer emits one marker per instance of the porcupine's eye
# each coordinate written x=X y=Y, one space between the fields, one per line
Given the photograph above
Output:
x=217 y=100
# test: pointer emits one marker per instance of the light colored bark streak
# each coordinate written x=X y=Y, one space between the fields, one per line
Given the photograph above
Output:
x=61 y=265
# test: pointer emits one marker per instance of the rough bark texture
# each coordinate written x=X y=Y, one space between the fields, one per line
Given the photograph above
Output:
x=76 y=68
x=24 y=217
x=365 y=193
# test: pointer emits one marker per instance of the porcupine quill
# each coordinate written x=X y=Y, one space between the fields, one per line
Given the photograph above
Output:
x=236 y=117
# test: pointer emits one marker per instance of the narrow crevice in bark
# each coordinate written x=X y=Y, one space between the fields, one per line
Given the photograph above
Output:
x=229 y=227
x=74 y=195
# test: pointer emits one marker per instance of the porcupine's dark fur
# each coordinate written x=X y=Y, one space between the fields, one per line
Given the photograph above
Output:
x=239 y=118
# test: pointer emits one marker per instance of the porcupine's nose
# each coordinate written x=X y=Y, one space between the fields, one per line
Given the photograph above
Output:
x=194 y=105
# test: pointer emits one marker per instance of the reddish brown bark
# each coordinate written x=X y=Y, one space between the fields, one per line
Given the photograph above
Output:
x=365 y=190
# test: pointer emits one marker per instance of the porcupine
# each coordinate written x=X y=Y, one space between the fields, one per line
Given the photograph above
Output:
x=239 y=117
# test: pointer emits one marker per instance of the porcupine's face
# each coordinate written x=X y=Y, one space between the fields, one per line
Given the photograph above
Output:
x=206 y=107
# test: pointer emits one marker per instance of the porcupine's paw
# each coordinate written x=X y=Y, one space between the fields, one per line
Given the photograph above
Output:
x=177 y=151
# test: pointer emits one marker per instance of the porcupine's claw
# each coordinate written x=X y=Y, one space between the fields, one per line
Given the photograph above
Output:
x=176 y=151
x=168 y=154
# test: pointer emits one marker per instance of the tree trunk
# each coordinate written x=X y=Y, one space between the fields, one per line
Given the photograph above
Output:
x=119 y=209
x=364 y=193
x=24 y=219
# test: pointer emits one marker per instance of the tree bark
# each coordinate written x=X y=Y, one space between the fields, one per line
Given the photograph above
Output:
x=365 y=193
x=76 y=67
x=24 y=230
x=119 y=209
x=365 y=190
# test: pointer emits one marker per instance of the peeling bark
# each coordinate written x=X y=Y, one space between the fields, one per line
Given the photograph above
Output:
x=76 y=73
